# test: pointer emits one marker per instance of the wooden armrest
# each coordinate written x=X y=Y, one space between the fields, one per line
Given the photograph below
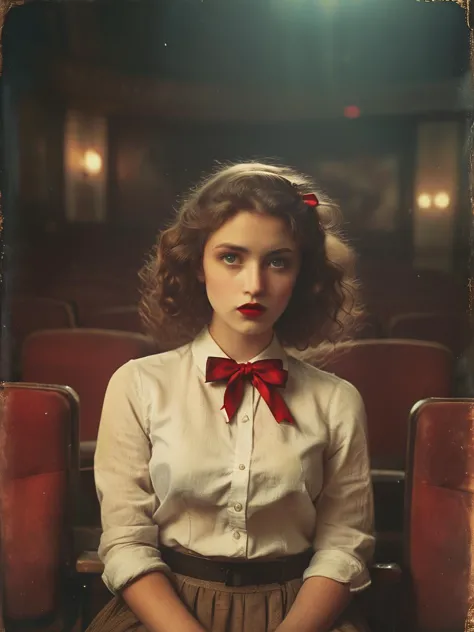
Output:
x=86 y=539
x=380 y=603
x=386 y=574
x=86 y=453
x=387 y=476
x=89 y=562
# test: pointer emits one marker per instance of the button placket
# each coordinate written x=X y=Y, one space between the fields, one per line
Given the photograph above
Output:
x=238 y=497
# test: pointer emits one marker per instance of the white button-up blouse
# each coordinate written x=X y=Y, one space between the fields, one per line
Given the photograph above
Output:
x=170 y=469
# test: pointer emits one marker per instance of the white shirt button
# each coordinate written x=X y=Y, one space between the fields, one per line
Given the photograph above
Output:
x=238 y=507
x=236 y=535
x=241 y=466
x=245 y=419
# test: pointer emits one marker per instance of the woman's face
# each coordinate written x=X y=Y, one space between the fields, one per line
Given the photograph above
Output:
x=252 y=258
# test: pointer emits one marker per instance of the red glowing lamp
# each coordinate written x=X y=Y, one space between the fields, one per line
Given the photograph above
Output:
x=352 y=111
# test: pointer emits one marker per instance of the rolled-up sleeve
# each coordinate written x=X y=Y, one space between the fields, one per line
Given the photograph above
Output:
x=344 y=538
x=129 y=541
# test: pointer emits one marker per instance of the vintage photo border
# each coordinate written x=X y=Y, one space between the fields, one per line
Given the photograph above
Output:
x=7 y=5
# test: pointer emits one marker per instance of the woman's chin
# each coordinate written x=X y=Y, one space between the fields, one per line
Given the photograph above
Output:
x=254 y=327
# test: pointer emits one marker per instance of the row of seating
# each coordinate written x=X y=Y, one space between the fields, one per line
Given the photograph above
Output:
x=451 y=329
x=34 y=313
x=390 y=374
x=52 y=574
x=28 y=314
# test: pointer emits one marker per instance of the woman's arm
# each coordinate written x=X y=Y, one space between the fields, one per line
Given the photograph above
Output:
x=318 y=604
x=155 y=603
x=343 y=541
x=129 y=545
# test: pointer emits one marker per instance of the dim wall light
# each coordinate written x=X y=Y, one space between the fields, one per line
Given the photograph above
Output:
x=424 y=200
x=442 y=199
x=92 y=162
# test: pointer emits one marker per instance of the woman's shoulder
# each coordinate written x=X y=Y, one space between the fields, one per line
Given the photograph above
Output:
x=339 y=401
x=157 y=364
x=319 y=380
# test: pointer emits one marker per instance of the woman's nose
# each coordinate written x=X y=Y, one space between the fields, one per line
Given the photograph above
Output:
x=254 y=280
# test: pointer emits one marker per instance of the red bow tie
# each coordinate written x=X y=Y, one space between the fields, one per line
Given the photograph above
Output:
x=264 y=375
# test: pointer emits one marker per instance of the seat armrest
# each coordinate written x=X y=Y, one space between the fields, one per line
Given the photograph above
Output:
x=89 y=563
x=86 y=453
x=86 y=539
x=387 y=476
x=380 y=603
x=386 y=574
x=92 y=593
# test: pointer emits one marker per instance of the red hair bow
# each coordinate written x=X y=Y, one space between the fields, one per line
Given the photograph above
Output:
x=310 y=199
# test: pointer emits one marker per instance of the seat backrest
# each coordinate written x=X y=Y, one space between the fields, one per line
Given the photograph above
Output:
x=368 y=327
x=34 y=313
x=394 y=289
x=123 y=318
x=439 y=520
x=391 y=376
x=39 y=482
x=449 y=329
x=24 y=315
x=84 y=359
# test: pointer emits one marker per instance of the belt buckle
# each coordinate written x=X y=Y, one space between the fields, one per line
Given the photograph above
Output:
x=233 y=578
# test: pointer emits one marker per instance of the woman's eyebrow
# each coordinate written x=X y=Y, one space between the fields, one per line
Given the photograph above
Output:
x=276 y=251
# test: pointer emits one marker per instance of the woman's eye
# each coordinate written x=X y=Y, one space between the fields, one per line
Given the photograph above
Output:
x=229 y=258
x=278 y=263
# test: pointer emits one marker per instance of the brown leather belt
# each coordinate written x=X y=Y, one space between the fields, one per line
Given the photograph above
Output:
x=235 y=573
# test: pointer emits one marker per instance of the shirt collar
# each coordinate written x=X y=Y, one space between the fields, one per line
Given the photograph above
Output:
x=204 y=346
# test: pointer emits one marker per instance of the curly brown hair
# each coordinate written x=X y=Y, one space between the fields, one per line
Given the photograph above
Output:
x=324 y=305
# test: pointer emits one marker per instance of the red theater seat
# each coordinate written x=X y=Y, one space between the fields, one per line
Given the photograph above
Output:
x=123 y=318
x=40 y=439
x=450 y=330
x=26 y=315
x=34 y=313
x=84 y=359
x=439 y=518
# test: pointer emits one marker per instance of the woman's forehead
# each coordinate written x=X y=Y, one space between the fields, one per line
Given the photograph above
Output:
x=252 y=228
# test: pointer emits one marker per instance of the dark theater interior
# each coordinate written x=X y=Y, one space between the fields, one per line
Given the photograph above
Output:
x=111 y=111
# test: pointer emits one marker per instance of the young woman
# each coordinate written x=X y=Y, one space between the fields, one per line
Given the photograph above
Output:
x=233 y=478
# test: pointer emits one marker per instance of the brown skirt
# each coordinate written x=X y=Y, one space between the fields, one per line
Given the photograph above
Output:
x=221 y=608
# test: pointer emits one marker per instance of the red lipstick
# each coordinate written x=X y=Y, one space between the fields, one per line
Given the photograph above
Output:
x=251 y=310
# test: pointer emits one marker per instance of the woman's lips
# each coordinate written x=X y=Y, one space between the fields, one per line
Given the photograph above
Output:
x=251 y=310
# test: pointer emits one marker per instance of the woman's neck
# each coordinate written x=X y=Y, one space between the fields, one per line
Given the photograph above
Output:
x=240 y=347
